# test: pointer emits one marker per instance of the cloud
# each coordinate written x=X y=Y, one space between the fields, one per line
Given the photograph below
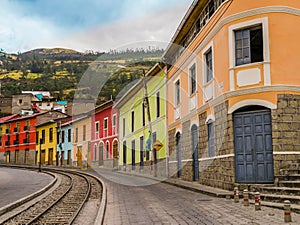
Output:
x=89 y=24
x=158 y=26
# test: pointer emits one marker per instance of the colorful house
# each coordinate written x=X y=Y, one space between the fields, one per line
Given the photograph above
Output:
x=234 y=92
x=81 y=141
x=46 y=140
x=65 y=142
x=136 y=153
x=19 y=144
x=104 y=136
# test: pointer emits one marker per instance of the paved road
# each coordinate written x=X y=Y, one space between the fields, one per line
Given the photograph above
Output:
x=160 y=203
x=16 y=184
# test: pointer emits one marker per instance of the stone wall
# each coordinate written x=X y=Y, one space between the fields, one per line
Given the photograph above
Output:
x=186 y=151
x=172 y=154
x=286 y=131
x=218 y=172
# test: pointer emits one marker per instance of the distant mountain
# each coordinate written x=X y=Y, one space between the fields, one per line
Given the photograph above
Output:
x=52 y=53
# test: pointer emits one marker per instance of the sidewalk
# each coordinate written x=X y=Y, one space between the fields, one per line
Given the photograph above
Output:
x=211 y=191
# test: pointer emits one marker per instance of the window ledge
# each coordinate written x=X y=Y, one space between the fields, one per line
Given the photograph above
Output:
x=249 y=64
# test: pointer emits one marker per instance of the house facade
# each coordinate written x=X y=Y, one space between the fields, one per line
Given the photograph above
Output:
x=81 y=141
x=136 y=152
x=18 y=140
x=46 y=147
x=104 y=136
x=233 y=93
x=65 y=137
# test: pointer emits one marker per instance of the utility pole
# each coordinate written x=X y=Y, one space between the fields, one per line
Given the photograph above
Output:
x=40 y=161
x=146 y=99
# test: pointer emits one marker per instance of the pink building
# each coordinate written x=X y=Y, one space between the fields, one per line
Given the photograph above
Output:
x=104 y=136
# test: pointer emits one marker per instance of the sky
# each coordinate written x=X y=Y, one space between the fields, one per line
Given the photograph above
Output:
x=98 y=25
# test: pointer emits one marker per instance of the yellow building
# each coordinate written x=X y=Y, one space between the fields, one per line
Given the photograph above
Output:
x=234 y=92
x=46 y=139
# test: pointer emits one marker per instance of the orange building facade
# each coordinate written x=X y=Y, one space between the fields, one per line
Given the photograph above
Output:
x=234 y=92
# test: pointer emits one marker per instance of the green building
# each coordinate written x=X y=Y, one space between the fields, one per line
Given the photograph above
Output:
x=136 y=144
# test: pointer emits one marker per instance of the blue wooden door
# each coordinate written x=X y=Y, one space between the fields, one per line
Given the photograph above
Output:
x=178 y=150
x=195 y=153
x=253 y=147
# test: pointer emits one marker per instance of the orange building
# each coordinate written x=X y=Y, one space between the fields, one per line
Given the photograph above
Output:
x=234 y=92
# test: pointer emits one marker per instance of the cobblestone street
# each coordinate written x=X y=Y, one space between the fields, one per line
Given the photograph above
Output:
x=160 y=203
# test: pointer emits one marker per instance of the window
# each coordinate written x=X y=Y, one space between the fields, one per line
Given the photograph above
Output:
x=143 y=114
x=192 y=79
x=249 y=45
x=105 y=123
x=97 y=126
x=84 y=133
x=69 y=135
x=114 y=122
x=63 y=136
x=157 y=104
x=43 y=136
x=132 y=121
x=177 y=92
x=50 y=134
x=208 y=66
x=124 y=127
x=211 y=142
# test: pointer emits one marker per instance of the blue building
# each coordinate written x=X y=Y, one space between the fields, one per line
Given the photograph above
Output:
x=65 y=143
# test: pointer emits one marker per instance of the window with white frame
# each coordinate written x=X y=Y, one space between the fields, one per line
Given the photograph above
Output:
x=192 y=79
x=208 y=57
x=249 y=45
x=97 y=130
x=105 y=123
x=114 y=124
x=177 y=92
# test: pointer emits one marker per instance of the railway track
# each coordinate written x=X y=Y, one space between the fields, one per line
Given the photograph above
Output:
x=76 y=200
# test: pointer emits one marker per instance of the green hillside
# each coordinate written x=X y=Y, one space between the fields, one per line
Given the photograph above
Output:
x=60 y=71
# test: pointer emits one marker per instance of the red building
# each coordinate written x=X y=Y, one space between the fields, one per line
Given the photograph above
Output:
x=18 y=140
x=104 y=136
x=18 y=137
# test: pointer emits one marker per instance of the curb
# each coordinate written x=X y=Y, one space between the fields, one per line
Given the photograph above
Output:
x=173 y=183
x=102 y=208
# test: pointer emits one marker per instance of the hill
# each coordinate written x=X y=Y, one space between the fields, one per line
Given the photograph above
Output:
x=60 y=70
